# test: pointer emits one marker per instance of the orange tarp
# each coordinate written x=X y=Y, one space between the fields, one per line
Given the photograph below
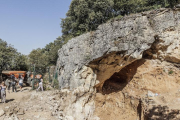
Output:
x=37 y=76
x=16 y=73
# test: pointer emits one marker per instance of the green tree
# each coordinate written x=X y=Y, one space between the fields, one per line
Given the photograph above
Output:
x=10 y=59
x=38 y=58
x=20 y=62
x=46 y=56
x=173 y=2
x=7 y=55
x=87 y=15
x=53 y=50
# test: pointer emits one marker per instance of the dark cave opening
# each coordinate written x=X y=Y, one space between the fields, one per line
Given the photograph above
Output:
x=120 y=79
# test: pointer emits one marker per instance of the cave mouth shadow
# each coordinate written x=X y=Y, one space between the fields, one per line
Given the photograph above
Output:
x=120 y=79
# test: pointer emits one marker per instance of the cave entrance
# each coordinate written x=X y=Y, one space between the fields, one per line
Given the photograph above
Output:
x=120 y=79
x=114 y=71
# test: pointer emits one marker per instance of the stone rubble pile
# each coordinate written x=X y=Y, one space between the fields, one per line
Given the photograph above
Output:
x=38 y=106
x=48 y=105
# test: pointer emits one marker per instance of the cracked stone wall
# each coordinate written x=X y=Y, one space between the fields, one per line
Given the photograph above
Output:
x=132 y=35
x=87 y=61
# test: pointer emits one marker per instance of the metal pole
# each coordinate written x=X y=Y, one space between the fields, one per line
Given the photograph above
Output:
x=33 y=77
x=34 y=71
x=49 y=74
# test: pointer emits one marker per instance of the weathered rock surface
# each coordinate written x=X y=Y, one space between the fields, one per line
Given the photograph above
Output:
x=98 y=61
x=130 y=36
x=1 y=113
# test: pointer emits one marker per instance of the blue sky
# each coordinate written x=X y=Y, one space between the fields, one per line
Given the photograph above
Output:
x=31 y=24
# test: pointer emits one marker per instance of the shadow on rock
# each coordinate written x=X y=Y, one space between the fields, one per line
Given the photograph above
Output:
x=161 y=113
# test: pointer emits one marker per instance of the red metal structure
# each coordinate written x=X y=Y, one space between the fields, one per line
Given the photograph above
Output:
x=38 y=76
x=16 y=73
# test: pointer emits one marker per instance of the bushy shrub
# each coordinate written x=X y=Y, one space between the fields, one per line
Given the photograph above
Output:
x=55 y=83
x=170 y=72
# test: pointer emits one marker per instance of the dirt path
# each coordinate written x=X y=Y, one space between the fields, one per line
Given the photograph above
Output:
x=25 y=105
x=16 y=96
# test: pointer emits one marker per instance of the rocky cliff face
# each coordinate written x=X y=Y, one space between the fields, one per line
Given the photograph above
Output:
x=98 y=64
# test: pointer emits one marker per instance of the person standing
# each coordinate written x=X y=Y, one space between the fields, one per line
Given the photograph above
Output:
x=3 y=92
x=40 y=84
x=14 y=82
x=12 y=77
x=21 y=83
x=19 y=76
x=8 y=83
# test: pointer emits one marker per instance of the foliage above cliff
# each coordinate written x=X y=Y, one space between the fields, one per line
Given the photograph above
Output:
x=86 y=15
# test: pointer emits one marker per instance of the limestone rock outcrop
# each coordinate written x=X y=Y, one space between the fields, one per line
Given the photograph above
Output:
x=87 y=62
